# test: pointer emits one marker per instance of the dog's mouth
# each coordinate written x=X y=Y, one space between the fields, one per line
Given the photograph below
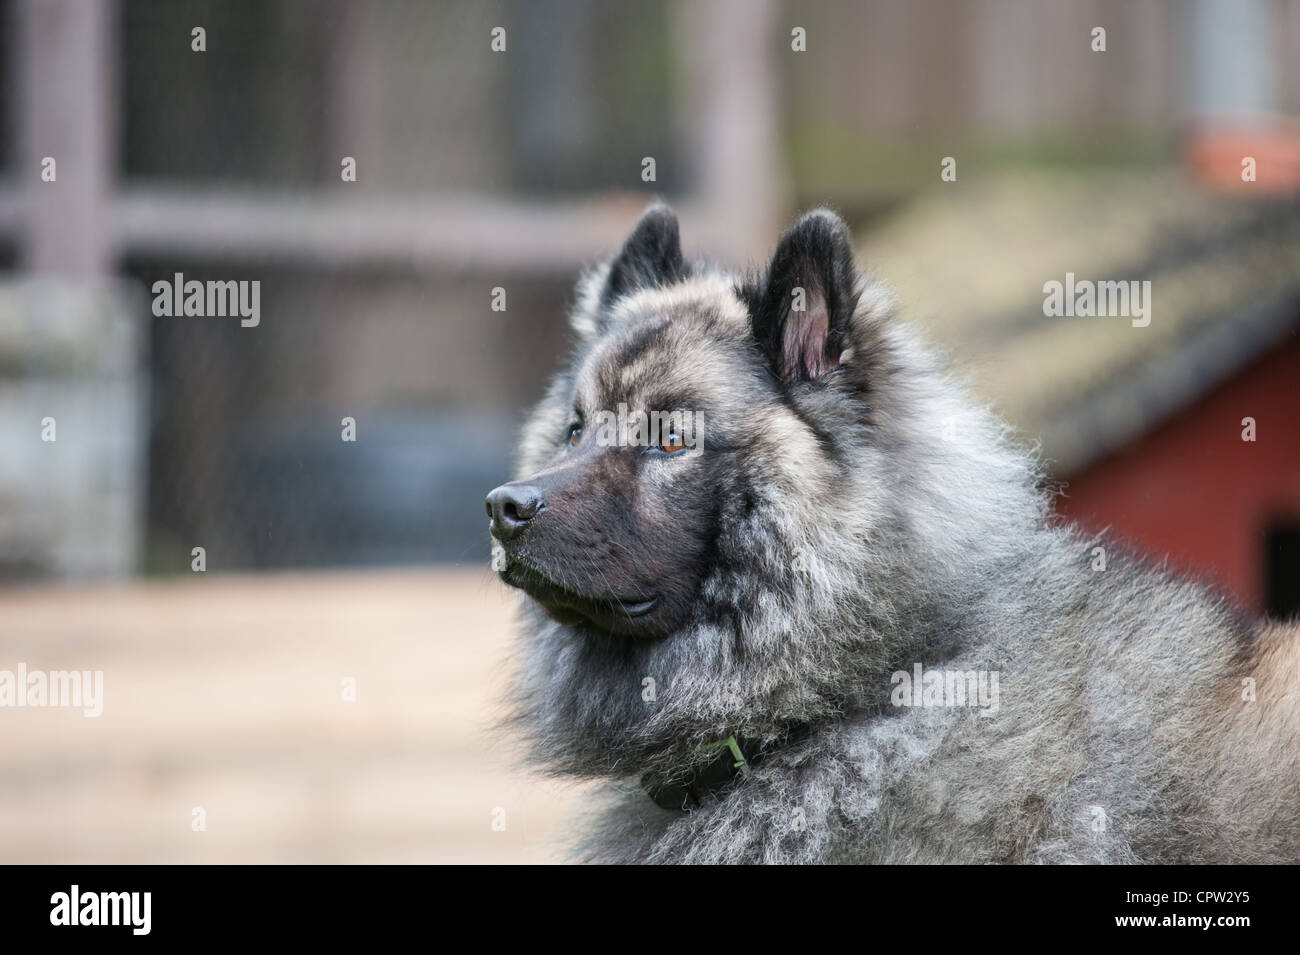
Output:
x=571 y=607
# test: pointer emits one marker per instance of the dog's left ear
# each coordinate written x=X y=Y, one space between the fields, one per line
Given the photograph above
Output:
x=801 y=307
x=651 y=256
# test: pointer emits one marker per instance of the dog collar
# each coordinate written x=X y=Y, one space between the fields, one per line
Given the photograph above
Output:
x=734 y=761
x=736 y=758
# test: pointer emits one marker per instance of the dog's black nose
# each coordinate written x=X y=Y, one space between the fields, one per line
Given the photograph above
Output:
x=511 y=506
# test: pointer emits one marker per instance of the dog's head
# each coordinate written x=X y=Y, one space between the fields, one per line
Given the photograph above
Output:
x=673 y=425
x=730 y=500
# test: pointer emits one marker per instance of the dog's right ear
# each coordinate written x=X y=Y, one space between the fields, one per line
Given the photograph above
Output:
x=802 y=305
x=651 y=256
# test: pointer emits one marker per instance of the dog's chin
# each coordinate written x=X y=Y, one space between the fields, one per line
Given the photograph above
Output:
x=630 y=616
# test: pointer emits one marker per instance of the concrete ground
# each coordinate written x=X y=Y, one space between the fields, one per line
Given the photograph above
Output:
x=225 y=694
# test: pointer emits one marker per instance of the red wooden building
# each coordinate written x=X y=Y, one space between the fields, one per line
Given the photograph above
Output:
x=1139 y=422
x=1194 y=489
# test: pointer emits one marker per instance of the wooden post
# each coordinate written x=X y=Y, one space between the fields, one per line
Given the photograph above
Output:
x=354 y=104
x=66 y=104
x=729 y=50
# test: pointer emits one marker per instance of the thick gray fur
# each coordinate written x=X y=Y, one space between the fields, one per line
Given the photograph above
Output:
x=871 y=517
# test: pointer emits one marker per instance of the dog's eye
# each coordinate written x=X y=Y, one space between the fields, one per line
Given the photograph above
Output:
x=671 y=442
x=575 y=434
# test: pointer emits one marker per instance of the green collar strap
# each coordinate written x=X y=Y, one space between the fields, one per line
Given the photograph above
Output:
x=735 y=760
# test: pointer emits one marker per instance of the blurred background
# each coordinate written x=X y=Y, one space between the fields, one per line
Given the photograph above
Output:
x=392 y=172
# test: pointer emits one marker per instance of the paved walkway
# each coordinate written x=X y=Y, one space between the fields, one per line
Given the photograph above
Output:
x=224 y=692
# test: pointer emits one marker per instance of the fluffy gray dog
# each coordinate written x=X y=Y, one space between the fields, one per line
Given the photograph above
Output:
x=800 y=599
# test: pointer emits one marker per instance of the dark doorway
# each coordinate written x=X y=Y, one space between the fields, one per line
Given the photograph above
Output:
x=1282 y=570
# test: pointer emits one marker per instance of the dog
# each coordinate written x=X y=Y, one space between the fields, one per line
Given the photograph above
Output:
x=798 y=598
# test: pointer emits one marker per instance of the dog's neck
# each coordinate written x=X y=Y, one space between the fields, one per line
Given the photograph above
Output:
x=733 y=764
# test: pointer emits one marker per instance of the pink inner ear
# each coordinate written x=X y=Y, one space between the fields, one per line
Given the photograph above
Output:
x=803 y=345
